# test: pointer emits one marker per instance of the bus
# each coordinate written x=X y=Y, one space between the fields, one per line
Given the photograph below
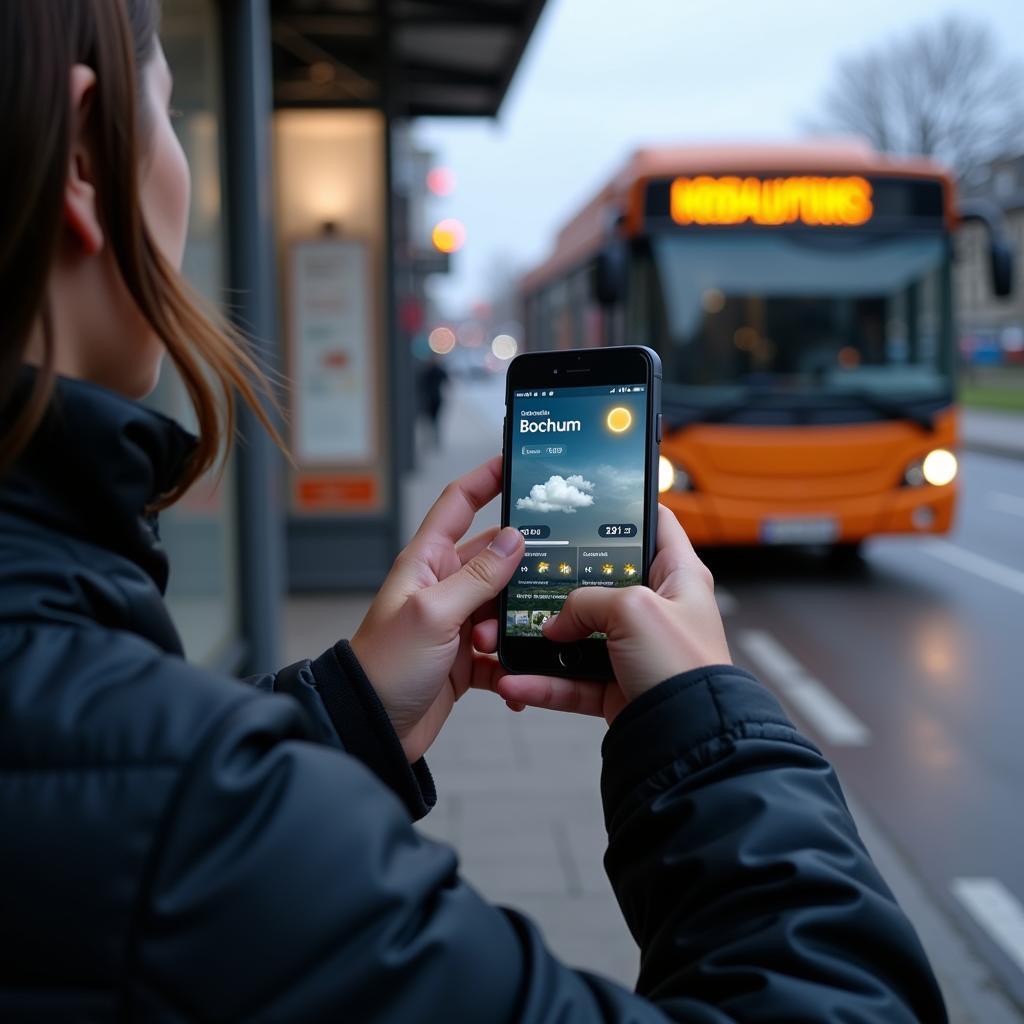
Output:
x=801 y=300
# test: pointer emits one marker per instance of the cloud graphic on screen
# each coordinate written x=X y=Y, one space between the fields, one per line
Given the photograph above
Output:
x=559 y=494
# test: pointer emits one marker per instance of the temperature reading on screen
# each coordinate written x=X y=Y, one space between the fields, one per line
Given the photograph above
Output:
x=617 y=530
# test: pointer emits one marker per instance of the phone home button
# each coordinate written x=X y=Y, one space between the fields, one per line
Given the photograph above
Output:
x=570 y=657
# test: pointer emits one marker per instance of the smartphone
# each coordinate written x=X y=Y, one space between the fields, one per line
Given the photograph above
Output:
x=581 y=436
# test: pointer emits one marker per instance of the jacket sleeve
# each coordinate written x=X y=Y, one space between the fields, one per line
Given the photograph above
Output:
x=739 y=869
x=288 y=884
x=345 y=711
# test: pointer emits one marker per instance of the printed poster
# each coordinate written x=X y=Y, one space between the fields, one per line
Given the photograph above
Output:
x=332 y=353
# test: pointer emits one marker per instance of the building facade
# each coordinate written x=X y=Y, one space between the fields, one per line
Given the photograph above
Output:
x=992 y=329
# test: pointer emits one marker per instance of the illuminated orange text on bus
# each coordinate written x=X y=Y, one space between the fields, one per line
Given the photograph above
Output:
x=816 y=201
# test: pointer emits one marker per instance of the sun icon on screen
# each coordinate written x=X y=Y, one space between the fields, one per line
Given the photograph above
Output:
x=543 y=567
x=629 y=569
x=619 y=420
x=564 y=568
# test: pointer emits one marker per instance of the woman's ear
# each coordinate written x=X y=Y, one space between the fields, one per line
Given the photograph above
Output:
x=81 y=214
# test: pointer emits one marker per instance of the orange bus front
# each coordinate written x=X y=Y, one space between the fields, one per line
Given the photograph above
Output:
x=808 y=389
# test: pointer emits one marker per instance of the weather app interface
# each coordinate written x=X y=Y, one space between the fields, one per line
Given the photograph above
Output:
x=577 y=495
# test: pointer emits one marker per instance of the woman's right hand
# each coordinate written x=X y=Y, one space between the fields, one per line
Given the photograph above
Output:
x=654 y=632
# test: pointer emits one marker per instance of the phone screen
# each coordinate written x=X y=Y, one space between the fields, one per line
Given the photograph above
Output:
x=576 y=494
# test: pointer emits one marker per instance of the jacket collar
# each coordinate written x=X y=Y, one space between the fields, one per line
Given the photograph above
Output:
x=92 y=468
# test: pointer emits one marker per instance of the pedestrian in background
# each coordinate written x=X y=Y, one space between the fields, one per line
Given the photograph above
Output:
x=433 y=381
x=179 y=845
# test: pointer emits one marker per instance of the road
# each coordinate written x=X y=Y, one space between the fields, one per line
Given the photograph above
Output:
x=920 y=646
x=905 y=668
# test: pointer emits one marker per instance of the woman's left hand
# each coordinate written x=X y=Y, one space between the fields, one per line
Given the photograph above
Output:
x=415 y=643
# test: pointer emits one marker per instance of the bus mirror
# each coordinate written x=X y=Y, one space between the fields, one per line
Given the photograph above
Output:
x=609 y=276
x=1001 y=256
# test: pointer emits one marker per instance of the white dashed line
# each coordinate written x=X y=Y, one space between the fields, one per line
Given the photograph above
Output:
x=828 y=716
x=979 y=565
x=1011 y=504
x=998 y=912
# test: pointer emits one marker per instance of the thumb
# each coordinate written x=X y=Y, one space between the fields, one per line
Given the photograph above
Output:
x=481 y=578
x=586 y=610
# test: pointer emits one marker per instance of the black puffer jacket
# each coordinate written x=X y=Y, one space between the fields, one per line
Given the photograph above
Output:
x=181 y=846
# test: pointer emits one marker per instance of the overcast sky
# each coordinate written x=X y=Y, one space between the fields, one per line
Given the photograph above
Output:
x=601 y=77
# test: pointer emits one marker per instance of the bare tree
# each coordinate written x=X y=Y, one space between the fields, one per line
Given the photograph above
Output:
x=943 y=90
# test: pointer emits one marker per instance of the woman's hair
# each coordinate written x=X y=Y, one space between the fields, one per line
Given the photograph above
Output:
x=40 y=41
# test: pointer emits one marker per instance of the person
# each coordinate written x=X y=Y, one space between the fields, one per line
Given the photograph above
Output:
x=179 y=845
x=432 y=381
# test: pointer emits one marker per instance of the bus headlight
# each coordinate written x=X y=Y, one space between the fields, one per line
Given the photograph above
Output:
x=671 y=477
x=938 y=468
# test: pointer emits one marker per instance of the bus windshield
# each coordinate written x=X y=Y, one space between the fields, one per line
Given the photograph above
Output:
x=804 y=313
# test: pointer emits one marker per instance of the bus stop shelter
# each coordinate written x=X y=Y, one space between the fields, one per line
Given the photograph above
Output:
x=315 y=90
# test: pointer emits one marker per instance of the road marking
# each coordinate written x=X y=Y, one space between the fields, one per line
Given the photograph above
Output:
x=726 y=599
x=979 y=565
x=829 y=717
x=1008 y=503
x=971 y=989
x=998 y=912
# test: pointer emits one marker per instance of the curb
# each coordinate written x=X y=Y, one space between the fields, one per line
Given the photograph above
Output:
x=986 y=448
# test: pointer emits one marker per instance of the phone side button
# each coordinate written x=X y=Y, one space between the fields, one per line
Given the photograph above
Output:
x=570 y=657
x=503 y=434
x=657 y=429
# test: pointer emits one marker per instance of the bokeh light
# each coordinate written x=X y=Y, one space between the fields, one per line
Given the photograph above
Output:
x=470 y=334
x=441 y=181
x=449 y=235
x=746 y=338
x=441 y=340
x=504 y=346
x=713 y=301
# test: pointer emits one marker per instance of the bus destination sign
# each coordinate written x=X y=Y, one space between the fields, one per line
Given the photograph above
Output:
x=814 y=201
x=792 y=201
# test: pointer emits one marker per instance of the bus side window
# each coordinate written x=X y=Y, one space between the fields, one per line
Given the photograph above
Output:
x=645 y=316
x=546 y=318
x=574 y=308
x=588 y=318
x=530 y=333
x=897 y=343
x=560 y=318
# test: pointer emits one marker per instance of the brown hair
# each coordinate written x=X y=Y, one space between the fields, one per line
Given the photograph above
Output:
x=41 y=41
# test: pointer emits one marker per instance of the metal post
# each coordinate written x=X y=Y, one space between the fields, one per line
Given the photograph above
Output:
x=248 y=106
x=398 y=358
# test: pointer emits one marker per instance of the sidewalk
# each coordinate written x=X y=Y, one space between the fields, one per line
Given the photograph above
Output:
x=993 y=433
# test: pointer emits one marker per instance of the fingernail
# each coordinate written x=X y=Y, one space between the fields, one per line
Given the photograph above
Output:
x=506 y=543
